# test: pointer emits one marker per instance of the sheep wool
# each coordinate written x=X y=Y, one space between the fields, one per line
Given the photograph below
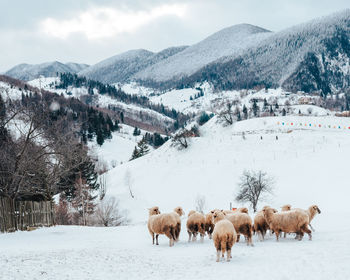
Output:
x=224 y=235
x=195 y=224
x=161 y=224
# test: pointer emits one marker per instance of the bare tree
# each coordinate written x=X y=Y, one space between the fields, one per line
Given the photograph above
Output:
x=128 y=182
x=103 y=186
x=108 y=213
x=227 y=115
x=181 y=138
x=83 y=202
x=253 y=186
x=200 y=203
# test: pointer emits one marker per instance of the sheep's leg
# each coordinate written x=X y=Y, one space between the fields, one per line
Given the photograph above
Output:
x=238 y=237
x=285 y=235
x=189 y=236
x=218 y=255
x=260 y=235
x=202 y=237
x=228 y=255
x=305 y=229
x=157 y=239
x=194 y=236
x=277 y=235
x=311 y=227
x=171 y=242
x=300 y=235
x=153 y=238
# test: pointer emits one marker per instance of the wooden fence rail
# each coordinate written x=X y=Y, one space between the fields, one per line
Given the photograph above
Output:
x=19 y=215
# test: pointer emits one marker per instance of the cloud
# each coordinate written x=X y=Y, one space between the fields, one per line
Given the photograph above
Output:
x=105 y=22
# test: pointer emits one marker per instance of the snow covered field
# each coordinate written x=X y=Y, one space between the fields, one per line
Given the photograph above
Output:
x=69 y=252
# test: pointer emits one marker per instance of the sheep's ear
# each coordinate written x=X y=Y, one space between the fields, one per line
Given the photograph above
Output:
x=222 y=210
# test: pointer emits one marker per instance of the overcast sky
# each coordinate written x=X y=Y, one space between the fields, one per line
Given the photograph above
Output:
x=85 y=31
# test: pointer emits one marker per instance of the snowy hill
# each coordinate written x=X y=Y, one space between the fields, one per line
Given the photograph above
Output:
x=309 y=57
x=121 y=67
x=229 y=41
x=28 y=72
x=308 y=162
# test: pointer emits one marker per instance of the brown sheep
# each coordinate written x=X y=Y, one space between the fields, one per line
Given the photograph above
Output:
x=260 y=225
x=195 y=224
x=284 y=208
x=312 y=211
x=288 y=221
x=243 y=225
x=224 y=235
x=161 y=224
x=238 y=210
x=178 y=212
x=209 y=226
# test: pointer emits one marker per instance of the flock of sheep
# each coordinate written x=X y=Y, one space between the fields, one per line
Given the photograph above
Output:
x=226 y=226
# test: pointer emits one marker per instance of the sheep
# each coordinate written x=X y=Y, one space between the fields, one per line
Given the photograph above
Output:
x=284 y=208
x=260 y=225
x=178 y=212
x=224 y=235
x=209 y=226
x=195 y=224
x=288 y=221
x=312 y=211
x=243 y=225
x=161 y=224
x=238 y=210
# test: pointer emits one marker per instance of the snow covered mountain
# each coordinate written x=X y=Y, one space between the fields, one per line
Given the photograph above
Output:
x=121 y=67
x=226 y=42
x=314 y=56
x=28 y=72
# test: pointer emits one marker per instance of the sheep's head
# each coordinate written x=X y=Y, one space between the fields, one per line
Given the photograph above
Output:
x=153 y=211
x=191 y=212
x=179 y=211
x=315 y=209
x=286 y=207
x=243 y=210
x=267 y=211
x=218 y=216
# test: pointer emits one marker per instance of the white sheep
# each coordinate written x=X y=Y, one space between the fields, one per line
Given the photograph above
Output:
x=289 y=222
x=195 y=224
x=161 y=224
x=224 y=235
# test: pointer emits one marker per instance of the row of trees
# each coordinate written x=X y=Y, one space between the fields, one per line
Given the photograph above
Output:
x=70 y=79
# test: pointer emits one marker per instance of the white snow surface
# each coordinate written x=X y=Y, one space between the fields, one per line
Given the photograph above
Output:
x=70 y=252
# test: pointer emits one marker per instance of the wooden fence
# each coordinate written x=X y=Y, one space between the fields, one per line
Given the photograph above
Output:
x=19 y=215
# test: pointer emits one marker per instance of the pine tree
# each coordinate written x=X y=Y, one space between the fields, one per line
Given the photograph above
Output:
x=245 y=112
x=135 y=154
x=136 y=132
x=284 y=112
x=255 y=107
x=143 y=147
x=77 y=164
x=266 y=104
x=99 y=138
